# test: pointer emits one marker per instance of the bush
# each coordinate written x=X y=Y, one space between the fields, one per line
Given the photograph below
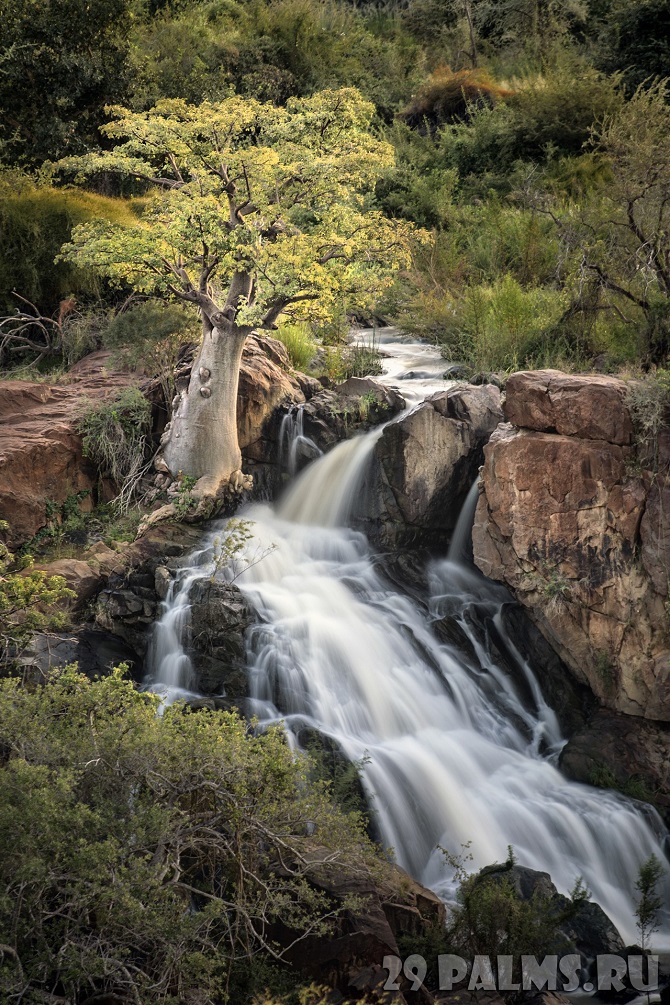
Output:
x=34 y=224
x=499 y=326
x=29 y=600
x=143 y=856
x=115 y=434
x=299 y=343
x=546 y=117
x=449 y=96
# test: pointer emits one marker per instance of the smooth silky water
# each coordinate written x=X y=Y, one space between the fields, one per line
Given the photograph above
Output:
x=452 y=753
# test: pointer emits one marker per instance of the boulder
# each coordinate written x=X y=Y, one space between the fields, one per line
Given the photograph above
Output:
x=95 y=652
x=220 y=616
x=354 y=406
x=622 y=752
x=388 y=905
x=560 y=520
x=80 y=577
x=590 y=407
x=424 y=465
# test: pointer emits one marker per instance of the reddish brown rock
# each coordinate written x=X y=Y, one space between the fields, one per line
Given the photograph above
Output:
x=79 y=576
x=591 y=407
x=570 y=523
x=267 y=380
x=41 y=460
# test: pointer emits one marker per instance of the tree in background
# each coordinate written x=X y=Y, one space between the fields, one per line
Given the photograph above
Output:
x=257 y=211
x=649 y=905
x=627 y=248
x=60 y=63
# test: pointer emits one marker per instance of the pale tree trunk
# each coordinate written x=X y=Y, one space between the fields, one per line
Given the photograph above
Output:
x=202 y=439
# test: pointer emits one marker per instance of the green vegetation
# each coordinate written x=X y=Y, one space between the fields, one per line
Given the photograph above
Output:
x=491 y=918
x=115 y=435
x=529 y=140
x=300 y=343
x=650 y=903
x=146 y=857
x=30 y=600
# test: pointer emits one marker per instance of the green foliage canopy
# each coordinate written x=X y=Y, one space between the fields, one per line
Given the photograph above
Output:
x=244 y=189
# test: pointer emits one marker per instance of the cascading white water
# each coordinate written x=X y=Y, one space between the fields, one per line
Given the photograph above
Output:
x=451 y=752
x=294 y=446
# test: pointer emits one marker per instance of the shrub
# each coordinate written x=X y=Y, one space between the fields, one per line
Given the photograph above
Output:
x=29 y=600
x=299 y=343
x=35 y=221
x=115 y=434
x=143 y=856
x=449 y=96
x=491 y=918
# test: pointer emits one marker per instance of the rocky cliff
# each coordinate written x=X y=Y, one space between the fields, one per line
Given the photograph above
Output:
x=574 y=516
x=41 y=459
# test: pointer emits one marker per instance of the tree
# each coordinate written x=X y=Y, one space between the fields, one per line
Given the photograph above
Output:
x=256 y=211
x=649 y=876
x=630 y=253
x=59 y=63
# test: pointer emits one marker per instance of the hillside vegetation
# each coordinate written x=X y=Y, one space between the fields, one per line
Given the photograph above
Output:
x=531 y=149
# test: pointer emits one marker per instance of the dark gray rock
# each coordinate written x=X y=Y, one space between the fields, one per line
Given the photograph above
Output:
x=220 y=617
x=424 y=465
x=95 y=652
x=622 y=752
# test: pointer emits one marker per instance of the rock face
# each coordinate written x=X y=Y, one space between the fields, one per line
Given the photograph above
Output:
x=424 y=465
x=268 y=386
x=41 y=459
x=571 y=521
x=625 y=752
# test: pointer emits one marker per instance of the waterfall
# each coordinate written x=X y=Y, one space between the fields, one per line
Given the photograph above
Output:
x=293 y=444
x=451 y=751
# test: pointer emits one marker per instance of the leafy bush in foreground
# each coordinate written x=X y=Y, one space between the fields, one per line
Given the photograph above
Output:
x=142 y=856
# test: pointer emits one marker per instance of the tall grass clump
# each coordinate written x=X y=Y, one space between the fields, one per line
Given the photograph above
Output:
x=116 y=433
x=299 y=343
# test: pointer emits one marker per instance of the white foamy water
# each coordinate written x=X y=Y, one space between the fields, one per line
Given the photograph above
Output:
x=451 y=751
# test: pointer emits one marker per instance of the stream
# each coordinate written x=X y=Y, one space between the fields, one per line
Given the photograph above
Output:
x=451 y=752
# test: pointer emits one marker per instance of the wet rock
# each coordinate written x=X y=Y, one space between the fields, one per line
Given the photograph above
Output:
x=130 y=603
x=337 y=413
x=424 y=465
x=622 y=752
x=162 y=581
x=220 y=616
